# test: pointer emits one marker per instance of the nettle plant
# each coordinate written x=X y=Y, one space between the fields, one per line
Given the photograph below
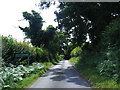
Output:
x=9 y=76
x=109 y=68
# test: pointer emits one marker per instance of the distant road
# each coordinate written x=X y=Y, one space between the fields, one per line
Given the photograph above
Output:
x=62 y=75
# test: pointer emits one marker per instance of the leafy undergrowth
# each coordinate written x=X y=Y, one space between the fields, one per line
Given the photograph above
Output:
x=94 y=78
x=26 y=76
x=33 y=77
x=26 y=82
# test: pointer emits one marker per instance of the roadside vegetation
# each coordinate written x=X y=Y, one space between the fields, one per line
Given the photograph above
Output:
x=93 y=31
x=88 y=34
x=19 y=72
x=100 y=66
x=23 y=62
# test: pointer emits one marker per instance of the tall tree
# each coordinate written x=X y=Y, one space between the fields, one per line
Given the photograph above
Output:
x=34 y=31
x=50 y=39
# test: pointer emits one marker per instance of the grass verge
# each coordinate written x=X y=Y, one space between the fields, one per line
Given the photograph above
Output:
x=74 y=60
x=94 y=78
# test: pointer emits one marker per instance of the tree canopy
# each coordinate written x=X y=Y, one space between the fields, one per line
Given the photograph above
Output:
x=80 y=19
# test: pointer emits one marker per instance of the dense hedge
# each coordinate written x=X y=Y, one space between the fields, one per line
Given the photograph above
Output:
x=11 y=46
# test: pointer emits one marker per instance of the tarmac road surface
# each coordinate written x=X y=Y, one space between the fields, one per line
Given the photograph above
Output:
x=62 y=75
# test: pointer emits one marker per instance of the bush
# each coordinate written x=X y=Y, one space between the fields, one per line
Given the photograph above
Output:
x=110 y=66
x=61 y=57
x=74 y=60
x=76 y=52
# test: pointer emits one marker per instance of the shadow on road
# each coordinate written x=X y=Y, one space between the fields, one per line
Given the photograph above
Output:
x=62 y=75
x=69 y=75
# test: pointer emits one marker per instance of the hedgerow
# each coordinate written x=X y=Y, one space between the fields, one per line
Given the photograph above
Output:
x=11 y=47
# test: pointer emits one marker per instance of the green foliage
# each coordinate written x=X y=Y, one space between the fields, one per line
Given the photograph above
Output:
x=101 y=22
x=47 y=65
x=67 y=50
x=112 y=33
x=111 y=64
x=97 y=80
x=61 y=57
x=50 y=39
x=11 y=75
x=1 y=62
x=74 y=60
x=26 y=81
x=76 y=52
x=91 y=74
x=99 y=60
x=34 y=31
x=79 y=16
x=1 y=68
x=109 y=68
x=32 y=77
x=41 y=54
x=11 y=46
x=104 y=57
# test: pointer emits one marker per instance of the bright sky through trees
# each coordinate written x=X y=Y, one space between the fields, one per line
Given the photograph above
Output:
x=11 y=16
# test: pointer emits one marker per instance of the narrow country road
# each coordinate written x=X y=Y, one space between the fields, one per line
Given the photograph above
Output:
x=62 y=75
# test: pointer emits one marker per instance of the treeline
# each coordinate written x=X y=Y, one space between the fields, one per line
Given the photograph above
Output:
x=46 y=45
x=50 y=39
x=12 y=47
